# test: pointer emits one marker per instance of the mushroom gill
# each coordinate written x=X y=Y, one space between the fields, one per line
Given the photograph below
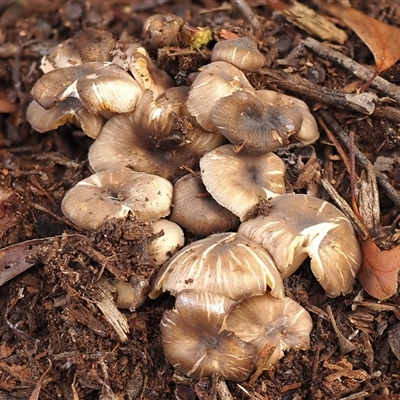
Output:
x=300 y=226
x=262 y=320
x=224 y=263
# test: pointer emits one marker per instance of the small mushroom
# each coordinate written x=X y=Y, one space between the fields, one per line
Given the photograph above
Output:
x=215 y=81
x=100 y=86
x=308 y=132
x=242 y=53
x=168 y=239
x=94 y=44
x=162 y=29
x=300 y=226
x=131 y=295
x=223 y=263
x=195 y=210
x=240 y=181
x=63 y=55
x=112 y=194
x=196 y=342
x=262 y=320
x=253 y=127
x=134 y=58
x=71 y=110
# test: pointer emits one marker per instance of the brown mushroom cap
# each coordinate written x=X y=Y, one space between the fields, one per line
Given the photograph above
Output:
x=253 y=127
x=148 y=140
x=94 y=44
x=112 y=194
x=262 y=320
x=71 y=110
x=216 y=80
x=242 y=53
x=196 y=342
x=308 y=133
x=162 y=29
x=300 y=226
x=239 y=181
x=100 y=86
x=195 y=210
x=224 y=263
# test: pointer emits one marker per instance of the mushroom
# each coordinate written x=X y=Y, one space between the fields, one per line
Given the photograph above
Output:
x=134 y=58
x=241 y=52
x=196 y=342
x=149 y=140
x=70 y=110
x=253 y=127
x=216 y=80
x=240 y=181
x=162 y=29
x=308 y=132
x=223 y=263
x=262 y=320
x=195 y=210
x=94 y=44
x=300 y=226
x=131 y=295
x=63 y=55
x=114 y=193
x=100 y=86
x=168 y=239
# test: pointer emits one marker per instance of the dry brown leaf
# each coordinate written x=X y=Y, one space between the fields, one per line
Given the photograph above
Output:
x=380 y=37
x=307 y=19
x=379 y=270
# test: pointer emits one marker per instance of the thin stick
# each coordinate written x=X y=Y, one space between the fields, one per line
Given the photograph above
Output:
x=344 y=139
x=356 y=69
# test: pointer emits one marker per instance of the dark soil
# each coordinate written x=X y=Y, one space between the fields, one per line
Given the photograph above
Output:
x=54 y=340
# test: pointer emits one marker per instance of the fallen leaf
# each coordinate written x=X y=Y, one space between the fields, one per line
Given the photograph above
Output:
x=308 y=20
x=378 y=36
x=379 y=270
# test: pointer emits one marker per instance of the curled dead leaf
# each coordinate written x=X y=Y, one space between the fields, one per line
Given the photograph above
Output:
x=377 y=35
x=379 y=270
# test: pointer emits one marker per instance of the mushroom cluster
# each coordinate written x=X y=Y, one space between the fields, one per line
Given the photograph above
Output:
x=148 y=133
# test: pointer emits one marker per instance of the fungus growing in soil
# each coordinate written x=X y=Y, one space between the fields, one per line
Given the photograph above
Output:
x=308 y=132
x=216 y=80
x=224 y=263
x=196 y=342
x=100 y=86
x=168 y=239
x=242 y=53
x=94 y=44
x=253 y=127
x=195 y=210
x=114 y=193
x=162 y=29
x=147 y=140
x=240 y=181
x=134 y=58
x=300 y=226
x=70 y=110
x=262 y=320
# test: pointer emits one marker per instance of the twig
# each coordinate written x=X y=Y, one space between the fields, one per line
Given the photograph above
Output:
x=248 y=14
x=383 y=181
x=363 y=102
x=356 y=69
